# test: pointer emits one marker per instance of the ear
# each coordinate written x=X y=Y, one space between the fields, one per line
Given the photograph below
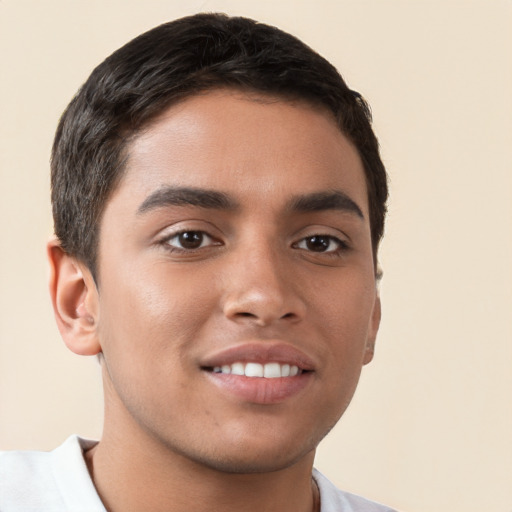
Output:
x=373 y=329
x=75 y=301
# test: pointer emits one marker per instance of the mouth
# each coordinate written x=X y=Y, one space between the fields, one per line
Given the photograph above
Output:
x=260 y=373
x=271 y=370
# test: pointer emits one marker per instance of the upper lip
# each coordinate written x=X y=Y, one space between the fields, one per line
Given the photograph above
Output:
x=260 y=352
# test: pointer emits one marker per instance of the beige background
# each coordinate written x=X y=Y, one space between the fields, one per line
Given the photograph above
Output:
x=430 y=429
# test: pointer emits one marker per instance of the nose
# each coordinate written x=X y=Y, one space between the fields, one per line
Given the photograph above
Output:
x=262 y=289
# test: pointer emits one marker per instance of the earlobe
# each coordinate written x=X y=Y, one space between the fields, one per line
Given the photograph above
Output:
x=75 y=301
x=373 y=329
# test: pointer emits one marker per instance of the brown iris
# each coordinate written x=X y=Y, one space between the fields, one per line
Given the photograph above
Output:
x=318 y=243
x=191 y=239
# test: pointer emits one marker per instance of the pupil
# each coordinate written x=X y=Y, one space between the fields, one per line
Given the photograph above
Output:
x=191 y=239
x=317 y=243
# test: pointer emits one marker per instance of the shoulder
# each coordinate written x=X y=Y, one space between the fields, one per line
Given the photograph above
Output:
x=46 y=481
x=25 y=479
x=333 y=499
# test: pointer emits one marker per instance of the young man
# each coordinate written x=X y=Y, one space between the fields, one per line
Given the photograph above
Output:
x=218 y=199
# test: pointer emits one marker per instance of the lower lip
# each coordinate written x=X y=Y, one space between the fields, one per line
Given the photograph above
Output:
x=259 y=390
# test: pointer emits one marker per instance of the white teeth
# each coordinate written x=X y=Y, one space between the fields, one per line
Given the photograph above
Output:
x=238 y=369
x=272 y=370
x=253 y=370
x=269 y=370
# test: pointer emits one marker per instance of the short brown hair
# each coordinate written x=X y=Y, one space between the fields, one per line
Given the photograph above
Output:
x=167 y=64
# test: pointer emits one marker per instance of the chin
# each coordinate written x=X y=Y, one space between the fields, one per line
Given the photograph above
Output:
x=258 y=464
x=252 y=454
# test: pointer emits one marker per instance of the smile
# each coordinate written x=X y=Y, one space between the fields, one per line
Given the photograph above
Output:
x=272 y=370
x=257 y=372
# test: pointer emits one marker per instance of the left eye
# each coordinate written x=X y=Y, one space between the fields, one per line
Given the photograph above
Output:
x=190 y=240
x=320 y=243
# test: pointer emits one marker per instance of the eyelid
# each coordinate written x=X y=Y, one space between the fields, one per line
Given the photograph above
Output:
x=172 y=231
x=322 y=230
x=182 y=226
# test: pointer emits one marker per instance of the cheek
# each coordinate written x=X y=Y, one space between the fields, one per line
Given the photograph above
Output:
x=152 y=311
x=148 y=326
x=344 y=321
x=345 y=307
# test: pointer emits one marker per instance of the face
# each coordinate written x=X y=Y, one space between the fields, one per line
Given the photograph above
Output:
x=237 y=299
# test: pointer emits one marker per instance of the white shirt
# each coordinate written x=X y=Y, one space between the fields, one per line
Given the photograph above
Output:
x=58 y=481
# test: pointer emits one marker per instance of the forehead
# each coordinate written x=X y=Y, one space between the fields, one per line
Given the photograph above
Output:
x=243 y=143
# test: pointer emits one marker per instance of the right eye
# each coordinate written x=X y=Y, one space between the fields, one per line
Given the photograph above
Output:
x=189 y=240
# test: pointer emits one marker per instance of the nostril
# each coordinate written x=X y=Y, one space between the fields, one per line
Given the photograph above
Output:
x=246 y=314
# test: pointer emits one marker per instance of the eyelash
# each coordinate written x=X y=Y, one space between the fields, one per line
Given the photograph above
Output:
x=341 y=245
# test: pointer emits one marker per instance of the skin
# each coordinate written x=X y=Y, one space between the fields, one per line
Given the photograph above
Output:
x=160 y=310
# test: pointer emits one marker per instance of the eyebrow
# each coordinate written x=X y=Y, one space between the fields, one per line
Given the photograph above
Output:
x=181 y=196
x=329 y=200
x=212 y=199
